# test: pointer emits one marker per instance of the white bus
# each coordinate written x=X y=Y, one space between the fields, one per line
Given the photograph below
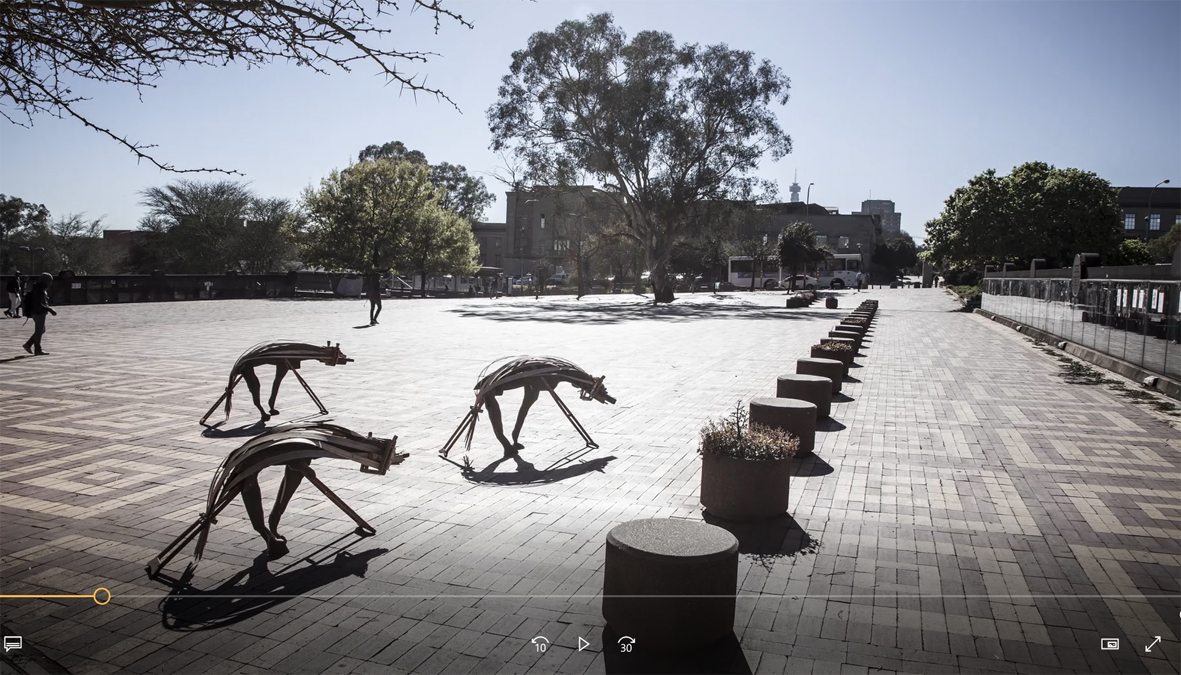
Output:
x=742 y=269
x=840 y=271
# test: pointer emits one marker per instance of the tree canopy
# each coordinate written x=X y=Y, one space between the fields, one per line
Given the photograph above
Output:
x=894 y=256
x=463 y=193
x=17 y=218
x=1037 y=211
x=51 y=44
x=662 y=126
x=798 y=250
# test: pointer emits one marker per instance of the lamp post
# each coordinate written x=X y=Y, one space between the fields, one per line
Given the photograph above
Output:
x=808 y=200
x=1148 y=218
x=532 y=248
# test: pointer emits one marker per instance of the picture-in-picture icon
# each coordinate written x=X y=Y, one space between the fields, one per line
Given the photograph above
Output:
x=1108 y=644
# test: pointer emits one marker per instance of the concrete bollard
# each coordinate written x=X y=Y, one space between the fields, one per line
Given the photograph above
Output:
x=848 y=335
x=811 y=388
x=833 y=369
x=794 y=416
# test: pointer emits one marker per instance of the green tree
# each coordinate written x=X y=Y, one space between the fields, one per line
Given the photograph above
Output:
x=1037 y=211
x=270 y=241
x=1131 y=252
x=893 y=257
x=202 y=222
x=462 y=193
x=762 y=251
x=439 y=241
x=359 y=218
x=661 y=126
x=51 y=45
x=17 y=219
x=798 y=250
x=1163 y=247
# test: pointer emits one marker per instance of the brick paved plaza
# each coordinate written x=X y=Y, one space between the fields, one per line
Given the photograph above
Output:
x=968 y=509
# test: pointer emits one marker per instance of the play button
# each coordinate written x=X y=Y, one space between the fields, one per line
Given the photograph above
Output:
x=582 y=644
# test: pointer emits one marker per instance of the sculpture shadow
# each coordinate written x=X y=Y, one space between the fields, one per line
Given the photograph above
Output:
x=809 y=466
x=829 y=424
x=599 y=313
x=253 y=429
x=769 y=538
x=254 y=590
x=528 y=474
x=724 y=656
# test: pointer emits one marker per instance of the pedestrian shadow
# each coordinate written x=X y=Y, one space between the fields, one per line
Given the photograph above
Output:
x=809 y=466
x=367 y=325
x=570 y=466
x=18 y=357
x=244 y=431
x=724 y=656
x=829 y=424
x=255 y=590
x=769 y=539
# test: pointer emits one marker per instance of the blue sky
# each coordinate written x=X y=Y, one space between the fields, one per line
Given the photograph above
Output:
x=905 y=99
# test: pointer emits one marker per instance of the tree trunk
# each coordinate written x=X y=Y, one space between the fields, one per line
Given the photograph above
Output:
x=422 y=273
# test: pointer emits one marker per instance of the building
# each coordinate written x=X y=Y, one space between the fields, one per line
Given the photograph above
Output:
x=842 y=233
x=490 y=238
x=1145 y=221
x=891 y=219
x=543 y=226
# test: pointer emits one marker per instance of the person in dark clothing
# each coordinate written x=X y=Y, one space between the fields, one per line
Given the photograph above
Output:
x=374 y=298
x=13 y=288
x=36 y=306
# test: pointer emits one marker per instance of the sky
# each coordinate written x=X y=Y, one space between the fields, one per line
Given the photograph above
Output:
x=899 y=100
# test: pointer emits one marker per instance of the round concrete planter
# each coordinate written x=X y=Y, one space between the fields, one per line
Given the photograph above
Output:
x=848 y=335
x=744 y=489
x=824 y=367
x=814 y=389
x=845 y=358
x=855 y=327
x=830 y=302
x=670 y=584
x=795 y=416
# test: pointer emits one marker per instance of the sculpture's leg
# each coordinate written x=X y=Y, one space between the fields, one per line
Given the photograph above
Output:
x=527 y=401
x=199 y=527
x=308 y=389
x=292 y=476
x=280 y=372
x=497 y=425
x=363 y=528
x=255 y=391
x=215 y=405
x=252 y=500
x=590 y=443
x=468 y=424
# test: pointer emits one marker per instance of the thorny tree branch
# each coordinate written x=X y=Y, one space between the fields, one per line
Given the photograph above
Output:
x=46 y=43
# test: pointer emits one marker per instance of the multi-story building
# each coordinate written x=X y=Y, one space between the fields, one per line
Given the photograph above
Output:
x=842 y=233
x=490 y=238
x=543 y=226
x=891 y=219
x=1149 y=213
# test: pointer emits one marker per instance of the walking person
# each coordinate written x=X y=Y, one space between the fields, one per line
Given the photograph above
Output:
x=374 y=298
x=860 y=280
x=36 y=306
x=13 y=288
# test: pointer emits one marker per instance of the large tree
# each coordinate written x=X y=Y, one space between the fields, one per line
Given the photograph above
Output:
x=200 y=222
x=17 y=218
x=463 y=193
x=439 y=241
x=360 y=217
x=798 y=250
x=893 y=256
x=1037 y=211
x=659 y=125
x=51 y=45
x=762 y=251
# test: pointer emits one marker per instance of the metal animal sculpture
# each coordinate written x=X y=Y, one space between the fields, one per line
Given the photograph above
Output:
x=284 y=356
x=532 y=373
x=293 y=446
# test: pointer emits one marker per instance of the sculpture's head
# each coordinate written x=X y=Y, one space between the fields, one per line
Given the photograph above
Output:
x=333 y=356
x=597 y=392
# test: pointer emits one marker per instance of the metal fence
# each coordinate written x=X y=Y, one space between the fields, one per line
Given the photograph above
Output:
x=1136 y=321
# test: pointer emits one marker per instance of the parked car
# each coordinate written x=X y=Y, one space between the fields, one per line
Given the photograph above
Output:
x=725 y=286
x=801 y=282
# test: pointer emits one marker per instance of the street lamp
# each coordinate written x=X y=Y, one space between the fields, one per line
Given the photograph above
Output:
x=808 y=200
x=1148 y=218
x=532 y=248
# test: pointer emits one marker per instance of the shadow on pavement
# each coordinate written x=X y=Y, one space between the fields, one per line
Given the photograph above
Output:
x=599 y=313
x=829 y=424
x=528 y=474
x=254 y=590
x=842 y=397
x=768 y=539
x=725 y=656
x=244 y=431
x=809 y=466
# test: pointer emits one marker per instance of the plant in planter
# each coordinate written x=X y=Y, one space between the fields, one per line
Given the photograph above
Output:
x=745 y=469
x=841 y=351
